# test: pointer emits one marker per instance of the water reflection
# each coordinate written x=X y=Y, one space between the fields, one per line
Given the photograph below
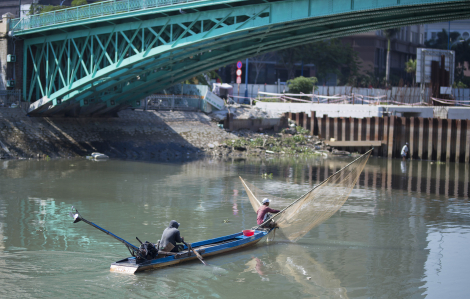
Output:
x=450 y=179
x=295 y=263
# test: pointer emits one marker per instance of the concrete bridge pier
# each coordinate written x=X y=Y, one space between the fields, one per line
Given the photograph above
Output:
x=10 y=71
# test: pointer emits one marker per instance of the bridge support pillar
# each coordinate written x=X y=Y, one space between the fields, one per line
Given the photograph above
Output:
x=11 y=73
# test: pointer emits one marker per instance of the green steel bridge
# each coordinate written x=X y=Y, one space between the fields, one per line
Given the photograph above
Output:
x=99 y=58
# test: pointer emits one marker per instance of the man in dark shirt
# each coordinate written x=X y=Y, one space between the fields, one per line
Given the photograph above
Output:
x=263 y=210
x=170 y=236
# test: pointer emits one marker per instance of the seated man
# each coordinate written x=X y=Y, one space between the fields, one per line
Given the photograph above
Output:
x=263 y=211
x=170 y=236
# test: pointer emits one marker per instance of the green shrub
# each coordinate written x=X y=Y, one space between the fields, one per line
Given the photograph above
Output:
x=79 y=2
x=302 y=85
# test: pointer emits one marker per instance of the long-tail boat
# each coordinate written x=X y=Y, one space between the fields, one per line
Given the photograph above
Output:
x=143 y=260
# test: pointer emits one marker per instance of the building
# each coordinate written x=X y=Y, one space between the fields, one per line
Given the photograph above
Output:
x=372 y=50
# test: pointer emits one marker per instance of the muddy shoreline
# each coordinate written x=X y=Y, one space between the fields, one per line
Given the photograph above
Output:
x=161 y=135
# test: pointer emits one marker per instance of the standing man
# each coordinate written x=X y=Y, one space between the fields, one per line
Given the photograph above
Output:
x=263 y=210
x=170 y=236
x=404 y=151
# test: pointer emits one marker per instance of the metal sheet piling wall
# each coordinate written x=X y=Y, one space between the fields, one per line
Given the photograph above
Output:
x=429 y=138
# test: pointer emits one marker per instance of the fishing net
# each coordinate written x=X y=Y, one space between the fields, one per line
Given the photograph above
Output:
x=315 y=206
x=256 y=195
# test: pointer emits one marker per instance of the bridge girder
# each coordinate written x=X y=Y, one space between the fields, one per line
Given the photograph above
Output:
x=110 y=66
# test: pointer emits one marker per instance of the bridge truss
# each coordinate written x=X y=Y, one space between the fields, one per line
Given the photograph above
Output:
x=99 y=66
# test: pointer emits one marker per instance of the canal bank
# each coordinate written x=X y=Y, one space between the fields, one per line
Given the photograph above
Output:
x=133 y=134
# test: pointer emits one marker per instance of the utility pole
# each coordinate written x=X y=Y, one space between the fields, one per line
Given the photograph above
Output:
x=246 y=79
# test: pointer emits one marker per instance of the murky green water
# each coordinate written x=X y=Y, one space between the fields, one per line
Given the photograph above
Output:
x=404 y=232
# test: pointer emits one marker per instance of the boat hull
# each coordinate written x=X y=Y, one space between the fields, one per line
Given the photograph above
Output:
x=204 y=248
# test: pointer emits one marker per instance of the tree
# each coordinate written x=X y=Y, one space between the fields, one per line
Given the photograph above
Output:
x=79 y=2
x=441 y=41
x=389 y=34
x=330 y=56
x=302 y=85
x=410 y=68
x=289 y=57
x=333 y=57
x=462 y=56
x=259 y=62
x=461 y=47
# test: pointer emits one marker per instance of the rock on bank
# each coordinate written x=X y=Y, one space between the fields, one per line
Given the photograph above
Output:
x=134 y=134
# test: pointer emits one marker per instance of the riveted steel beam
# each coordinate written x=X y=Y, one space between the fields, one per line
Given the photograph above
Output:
x=149 y=54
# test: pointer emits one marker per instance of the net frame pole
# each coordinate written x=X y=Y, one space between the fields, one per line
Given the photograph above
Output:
x=326 y=180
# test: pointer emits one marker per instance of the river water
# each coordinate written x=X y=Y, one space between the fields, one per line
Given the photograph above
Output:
x=403 y=233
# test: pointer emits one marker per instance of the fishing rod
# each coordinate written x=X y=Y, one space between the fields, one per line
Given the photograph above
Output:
x=303 y=195
x=134 y=250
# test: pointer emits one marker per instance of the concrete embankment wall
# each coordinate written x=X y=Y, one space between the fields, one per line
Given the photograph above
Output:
x=360 y=111
x=134 y=134
x=428 y=138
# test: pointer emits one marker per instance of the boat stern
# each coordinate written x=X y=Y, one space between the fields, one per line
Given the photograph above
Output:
x=123 y=269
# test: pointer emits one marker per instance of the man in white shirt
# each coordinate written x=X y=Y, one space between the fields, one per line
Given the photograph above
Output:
x=404 y=151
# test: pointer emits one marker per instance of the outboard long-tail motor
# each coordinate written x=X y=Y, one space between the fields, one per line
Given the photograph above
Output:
x=146 y=251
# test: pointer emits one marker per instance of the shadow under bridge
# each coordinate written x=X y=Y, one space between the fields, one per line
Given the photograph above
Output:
x=99 y=65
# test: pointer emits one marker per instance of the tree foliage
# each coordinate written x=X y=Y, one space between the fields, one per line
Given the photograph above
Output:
x=329 y=57
x=459 y=45
x=302 y=85
x=410 y=67
x=441 y=40
x=36 y=8
x=79 y=2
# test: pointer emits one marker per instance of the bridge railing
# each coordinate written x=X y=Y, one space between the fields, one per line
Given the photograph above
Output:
x=89 y=11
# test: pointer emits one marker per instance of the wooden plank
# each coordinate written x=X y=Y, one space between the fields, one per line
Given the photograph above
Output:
x=305 y=120
x=449 y=139
x=385 y=135
x=368 y=128
x=355 y=143
x=412 y=131
x=352 y=122
x=390 y=137
x=335 y=128
x=458 y=136
x=359 y=129
x=420 y=137
x=343 y=128
x=312 y=122
x=327 y=128
x=430 y=138
x=320 y=127
x=439 y=139
x=467 y=143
